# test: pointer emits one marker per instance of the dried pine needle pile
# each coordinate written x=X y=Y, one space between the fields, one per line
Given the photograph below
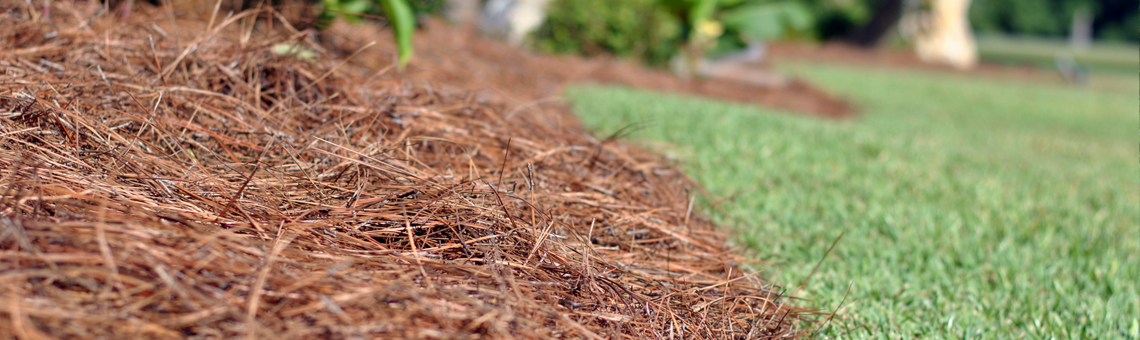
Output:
x=176 y=177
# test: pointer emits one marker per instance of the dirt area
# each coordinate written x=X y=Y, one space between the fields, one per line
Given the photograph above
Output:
x=173 y=177
x=454 y=55
x=841 y=53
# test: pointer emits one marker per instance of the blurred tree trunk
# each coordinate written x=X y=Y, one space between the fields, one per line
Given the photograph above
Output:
x=946 y=37
x=887 y=15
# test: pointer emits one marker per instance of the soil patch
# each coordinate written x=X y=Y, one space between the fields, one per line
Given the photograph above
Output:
x=177 y=178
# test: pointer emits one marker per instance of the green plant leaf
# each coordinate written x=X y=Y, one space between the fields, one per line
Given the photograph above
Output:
x=349 y=10
x=355 y=7
x=403 y=25
x=702 y=11
x=767 y=20
x=295 y=51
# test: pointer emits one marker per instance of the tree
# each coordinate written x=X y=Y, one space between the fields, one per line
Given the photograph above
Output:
x=886 y=16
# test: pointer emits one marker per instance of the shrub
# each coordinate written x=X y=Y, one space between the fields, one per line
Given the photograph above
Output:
x=636 y=29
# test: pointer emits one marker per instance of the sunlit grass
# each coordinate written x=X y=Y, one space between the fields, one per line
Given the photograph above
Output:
x=1119 y=57
x=971 y=209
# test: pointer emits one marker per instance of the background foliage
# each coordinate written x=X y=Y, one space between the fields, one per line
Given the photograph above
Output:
x=401 y=16
x=1112 y=19
x=654 y=30
x=352 y=10
x=628 y=28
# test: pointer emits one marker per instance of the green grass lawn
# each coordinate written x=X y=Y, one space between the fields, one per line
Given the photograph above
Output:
x=1101 y=57
x=1114 y=66
x=971 y=208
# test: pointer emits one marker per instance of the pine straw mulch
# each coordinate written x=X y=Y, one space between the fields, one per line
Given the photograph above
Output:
x=168 y=178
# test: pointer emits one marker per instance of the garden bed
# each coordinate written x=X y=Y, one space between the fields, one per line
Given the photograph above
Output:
x=172 y=177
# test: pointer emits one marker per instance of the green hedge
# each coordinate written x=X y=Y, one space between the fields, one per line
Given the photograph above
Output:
x=635 y=29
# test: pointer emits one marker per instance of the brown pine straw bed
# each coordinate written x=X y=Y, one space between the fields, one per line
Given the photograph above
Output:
x=175 y=178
